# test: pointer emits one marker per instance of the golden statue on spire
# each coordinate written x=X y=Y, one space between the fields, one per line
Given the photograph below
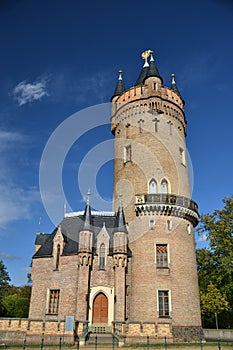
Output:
x=146 y=54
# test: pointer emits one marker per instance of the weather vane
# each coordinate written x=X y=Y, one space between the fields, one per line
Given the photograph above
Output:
x=146 y=54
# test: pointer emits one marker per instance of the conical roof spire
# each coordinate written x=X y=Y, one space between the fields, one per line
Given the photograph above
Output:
x=174 y=86
x=119 y=86
x=144 y=70
x=153 y=70
x=87 y=214
x=120 y=224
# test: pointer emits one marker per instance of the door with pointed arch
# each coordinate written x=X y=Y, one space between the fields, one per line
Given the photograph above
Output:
x=100 y=309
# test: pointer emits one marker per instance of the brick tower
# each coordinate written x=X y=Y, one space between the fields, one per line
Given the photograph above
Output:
x=151 y=175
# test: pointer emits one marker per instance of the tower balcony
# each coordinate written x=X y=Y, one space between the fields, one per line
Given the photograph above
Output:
x=167 y=204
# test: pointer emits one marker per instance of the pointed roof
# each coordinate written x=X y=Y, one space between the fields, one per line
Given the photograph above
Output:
x=153 y=70
x=174 y=86
x=120 y=224
x=142 y=74
x=87 y=215
x=119 y=86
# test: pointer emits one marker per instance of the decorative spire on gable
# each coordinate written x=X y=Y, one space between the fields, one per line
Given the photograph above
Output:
x=119 y=86
x=174 y=86
x=87 y=214
x=120 y=224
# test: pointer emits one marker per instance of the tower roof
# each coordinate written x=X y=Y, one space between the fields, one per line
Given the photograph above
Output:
x=149 y=69
x=87 y=215
x=120 y=224
x=153 y=70
x=119 y=86
x=174 y=86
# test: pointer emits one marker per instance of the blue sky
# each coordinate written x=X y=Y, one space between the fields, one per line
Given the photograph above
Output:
x=58 y=57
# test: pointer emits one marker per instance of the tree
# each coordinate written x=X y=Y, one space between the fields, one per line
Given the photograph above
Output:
x=4 y=276
x=213 y=302
x=16 y=302
x=4 y=284
x=215 y=263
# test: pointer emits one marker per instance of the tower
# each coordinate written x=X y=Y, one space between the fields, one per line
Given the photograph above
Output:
x=152 y=176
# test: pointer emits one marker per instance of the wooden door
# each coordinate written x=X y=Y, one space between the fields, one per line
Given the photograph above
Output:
x=100 y=309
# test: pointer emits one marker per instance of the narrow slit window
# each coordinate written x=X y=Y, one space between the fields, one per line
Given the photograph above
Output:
x=58 y=256
x=128 y=153
x=102 y=256
x=182 y=156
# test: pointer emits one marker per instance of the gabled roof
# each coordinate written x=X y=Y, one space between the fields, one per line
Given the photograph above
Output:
x=70 y=227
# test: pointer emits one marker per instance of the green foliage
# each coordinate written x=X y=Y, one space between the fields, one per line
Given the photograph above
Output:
x=16 y=302
x=213 y=301
x=215 y=263
x=4 y=276
x=4 y=285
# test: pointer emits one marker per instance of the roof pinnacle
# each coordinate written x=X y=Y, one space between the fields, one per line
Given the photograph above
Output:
x=174 y=86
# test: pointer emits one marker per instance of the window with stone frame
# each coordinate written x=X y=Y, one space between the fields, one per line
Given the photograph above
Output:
x=127 y=154
x=102 y=257
x=54 y=296
x=161 y=255
x=163 y=299
x=58 y=256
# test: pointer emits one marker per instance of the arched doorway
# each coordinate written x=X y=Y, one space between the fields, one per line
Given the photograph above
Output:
x=100 y=309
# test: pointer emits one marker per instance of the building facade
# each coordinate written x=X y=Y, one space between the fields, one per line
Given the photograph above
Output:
x=131 y=271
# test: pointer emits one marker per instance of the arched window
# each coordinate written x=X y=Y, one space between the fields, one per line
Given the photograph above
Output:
x=58 y=256
x=102 y=256
x=153 y=186
x=164 y=186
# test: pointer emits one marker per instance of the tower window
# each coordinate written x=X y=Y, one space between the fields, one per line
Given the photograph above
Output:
x=163 y=303
x=102 y=257
x=152 y=224
x=164 y=186
x=54 y=295
x=182 y=156
x=153 y=186
x=169 y=225
x=127 y=154
x=161 y=255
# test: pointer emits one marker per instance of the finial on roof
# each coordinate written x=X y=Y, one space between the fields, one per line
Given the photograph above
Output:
x=145 y=56
x=88 y=196
x=120 y=74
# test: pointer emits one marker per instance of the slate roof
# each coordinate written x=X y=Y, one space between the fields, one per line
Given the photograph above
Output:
x=119 y=86
x=70 y=227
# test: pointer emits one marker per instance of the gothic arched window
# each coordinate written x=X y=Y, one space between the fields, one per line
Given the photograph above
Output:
x=164 y=186
x=153 y=186
x=102 y=256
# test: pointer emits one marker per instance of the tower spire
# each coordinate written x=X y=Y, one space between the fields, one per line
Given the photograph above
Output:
x=153 y=70
x=174 y=86
x=87 y=214
x=120 y=223
x=119 y=86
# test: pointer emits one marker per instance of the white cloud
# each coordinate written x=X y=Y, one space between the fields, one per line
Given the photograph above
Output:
x=7 y=256
x=26 y=92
